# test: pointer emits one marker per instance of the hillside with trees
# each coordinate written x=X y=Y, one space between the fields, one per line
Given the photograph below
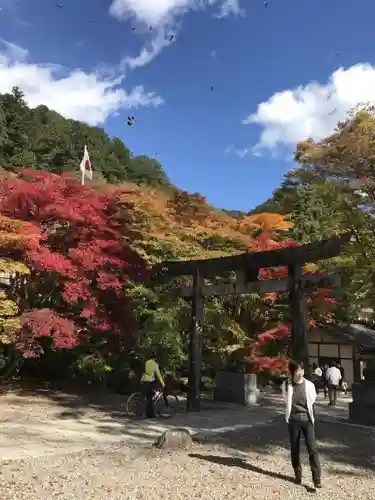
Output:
x=42 y=139
x=79 y=302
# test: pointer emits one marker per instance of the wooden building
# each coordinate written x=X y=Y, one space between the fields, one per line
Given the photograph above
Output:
x=349 y=345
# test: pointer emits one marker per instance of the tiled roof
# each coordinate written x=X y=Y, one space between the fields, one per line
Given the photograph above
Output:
x=357 y=334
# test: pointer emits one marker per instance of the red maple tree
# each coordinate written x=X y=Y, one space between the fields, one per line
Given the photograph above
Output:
x=80 y=259
x=270 y=352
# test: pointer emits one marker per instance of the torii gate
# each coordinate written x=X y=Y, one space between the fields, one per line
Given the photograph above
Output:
x=246 y=266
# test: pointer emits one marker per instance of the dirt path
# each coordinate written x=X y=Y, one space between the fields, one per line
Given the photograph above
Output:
x=47 y=423
x=79 y=447
x=249 y=464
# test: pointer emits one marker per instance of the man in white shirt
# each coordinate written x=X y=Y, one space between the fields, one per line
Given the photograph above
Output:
x=333 y=376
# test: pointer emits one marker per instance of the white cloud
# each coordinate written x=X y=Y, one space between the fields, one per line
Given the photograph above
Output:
x=90 y=97
x=150 y=12
x=230 y=7
x=241 y=153
x=313 y=110
x=163 y=17
x=149 y=51
x=158 y=12
x=13 y=51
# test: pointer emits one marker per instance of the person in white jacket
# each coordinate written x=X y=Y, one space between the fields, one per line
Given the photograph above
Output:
x=299 y=396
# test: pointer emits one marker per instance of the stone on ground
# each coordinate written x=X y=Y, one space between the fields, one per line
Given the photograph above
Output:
x=173 y=439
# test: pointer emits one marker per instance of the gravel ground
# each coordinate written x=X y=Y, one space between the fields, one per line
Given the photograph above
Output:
x=244 y=464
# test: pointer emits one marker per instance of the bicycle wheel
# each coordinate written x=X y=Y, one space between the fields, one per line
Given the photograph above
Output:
x=136 y=406
x=166 y=405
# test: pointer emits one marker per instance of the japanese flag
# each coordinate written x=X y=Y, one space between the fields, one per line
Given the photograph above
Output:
x=85 y=166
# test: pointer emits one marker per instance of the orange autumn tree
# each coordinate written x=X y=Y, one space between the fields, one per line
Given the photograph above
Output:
x=271 y=223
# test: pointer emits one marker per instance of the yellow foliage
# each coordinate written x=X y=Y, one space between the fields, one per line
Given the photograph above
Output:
x=311 y=267
x=177 y=225
x=9 y=329
x=8 y=308
x=8 y=266
x=9 y=320
x=10 y=225
x=9 y=239
x=353 y=141
x=13 y=233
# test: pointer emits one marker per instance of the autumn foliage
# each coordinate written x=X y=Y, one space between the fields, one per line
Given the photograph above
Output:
x=268 y=222
x=271 y=351
x=84 y=248
x=74 y=239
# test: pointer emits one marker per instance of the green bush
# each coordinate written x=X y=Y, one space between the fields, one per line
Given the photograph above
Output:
x=125 y=377
x=93 y=368
x=208 y=384
x=3 y=362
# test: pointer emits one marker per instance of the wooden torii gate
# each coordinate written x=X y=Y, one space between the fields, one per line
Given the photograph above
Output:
x=247 y=266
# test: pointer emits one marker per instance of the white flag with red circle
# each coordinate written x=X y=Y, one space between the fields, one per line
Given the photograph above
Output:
x=85 y=166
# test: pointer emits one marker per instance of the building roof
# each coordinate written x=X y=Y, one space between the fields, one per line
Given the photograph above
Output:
x=356 y=334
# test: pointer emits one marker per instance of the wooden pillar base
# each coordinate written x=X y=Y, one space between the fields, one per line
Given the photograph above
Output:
x=193 y=403
x=299 y=318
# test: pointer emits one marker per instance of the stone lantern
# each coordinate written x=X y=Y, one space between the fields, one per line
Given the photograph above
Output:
x=362 y=408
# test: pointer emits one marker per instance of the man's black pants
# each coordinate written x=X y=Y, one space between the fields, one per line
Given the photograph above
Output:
x=305 y=427
x=148 y=392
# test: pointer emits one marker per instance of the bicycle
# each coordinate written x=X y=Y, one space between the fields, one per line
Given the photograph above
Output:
x=165 y=404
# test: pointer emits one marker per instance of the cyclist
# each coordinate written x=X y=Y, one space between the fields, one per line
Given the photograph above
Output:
x=149 y=380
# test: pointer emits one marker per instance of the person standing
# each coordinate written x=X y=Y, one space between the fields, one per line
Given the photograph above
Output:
x=299 y=396
x=317 y=377
x=324 y=380
x=316 y=370
x=149 y=379
x=343 y=383
x=333 y=380
x=344 y=387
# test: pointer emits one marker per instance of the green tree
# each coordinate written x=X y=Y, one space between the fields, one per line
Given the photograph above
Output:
x=147 y=170
x=44 y=140
x=18 y=121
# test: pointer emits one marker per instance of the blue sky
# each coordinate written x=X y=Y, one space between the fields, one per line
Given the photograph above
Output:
x=234 y=144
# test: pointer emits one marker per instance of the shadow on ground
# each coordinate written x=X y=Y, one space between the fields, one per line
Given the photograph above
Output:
x=242 y=464
x=71 y=401
x=67 y=403
x=339 y=443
